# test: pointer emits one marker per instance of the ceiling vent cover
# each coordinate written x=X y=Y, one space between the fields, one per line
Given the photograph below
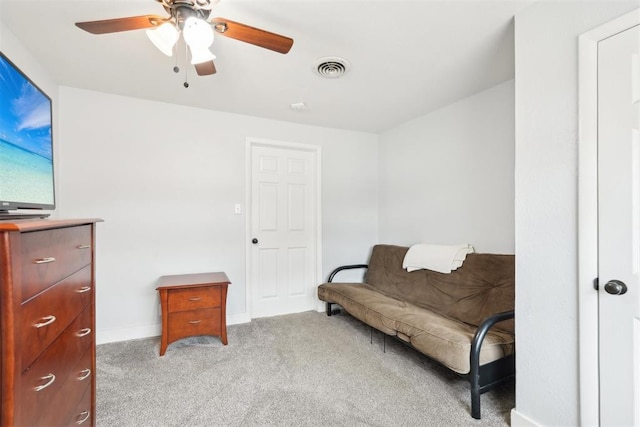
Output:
x=331 y=67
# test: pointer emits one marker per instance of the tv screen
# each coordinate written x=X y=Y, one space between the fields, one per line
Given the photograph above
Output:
x=26 y=143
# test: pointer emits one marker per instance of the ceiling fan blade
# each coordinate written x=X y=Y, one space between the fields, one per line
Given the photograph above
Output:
x=252 y=35
x=205 y=68
x=121 y=24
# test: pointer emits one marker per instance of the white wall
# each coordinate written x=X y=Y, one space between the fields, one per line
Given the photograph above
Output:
x=447 y=177
x=546 y=40
x=165 y=178
x=19 y=55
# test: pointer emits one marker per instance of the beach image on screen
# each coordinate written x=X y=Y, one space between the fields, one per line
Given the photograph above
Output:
x=26 y=160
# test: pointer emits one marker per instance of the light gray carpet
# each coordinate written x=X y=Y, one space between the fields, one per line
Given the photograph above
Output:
x=293 y=370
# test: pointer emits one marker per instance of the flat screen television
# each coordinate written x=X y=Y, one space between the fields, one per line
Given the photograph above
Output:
x=26 y=145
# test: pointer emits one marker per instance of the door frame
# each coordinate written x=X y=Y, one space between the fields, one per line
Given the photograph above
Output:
x=317 y=152
x=588 y=320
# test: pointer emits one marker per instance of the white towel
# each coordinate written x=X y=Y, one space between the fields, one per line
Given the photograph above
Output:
x=441 y=258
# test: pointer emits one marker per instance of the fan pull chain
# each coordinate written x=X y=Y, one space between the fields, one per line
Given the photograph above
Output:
x=186 y=69
x=176 y=69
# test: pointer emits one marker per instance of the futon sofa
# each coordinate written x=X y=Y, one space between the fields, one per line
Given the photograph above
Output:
x=462 y=319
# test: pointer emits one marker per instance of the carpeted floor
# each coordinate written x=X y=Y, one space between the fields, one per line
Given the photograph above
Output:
x=294 y=370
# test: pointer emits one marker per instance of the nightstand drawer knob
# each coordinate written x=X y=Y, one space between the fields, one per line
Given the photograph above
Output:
x=45 y=260
x=83 y=247
x=195 y=322
x=195 y=298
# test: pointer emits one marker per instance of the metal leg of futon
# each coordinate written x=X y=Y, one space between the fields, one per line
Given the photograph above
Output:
x=384 y=339
x=332 y=311
x=475 y=400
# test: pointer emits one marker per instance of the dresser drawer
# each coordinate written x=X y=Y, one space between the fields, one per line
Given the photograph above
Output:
x=193 y=298
x=53 y=385
x=72 y=405
x=79 y=390
x=205 y=321
x=51 y=255
x=82 y=414
x=45 y=316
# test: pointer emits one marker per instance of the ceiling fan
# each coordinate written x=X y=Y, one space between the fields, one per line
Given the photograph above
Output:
x=191 y=18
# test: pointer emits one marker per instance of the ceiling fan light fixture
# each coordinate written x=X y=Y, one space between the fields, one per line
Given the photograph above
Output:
x=164 y=37
x=197 y=33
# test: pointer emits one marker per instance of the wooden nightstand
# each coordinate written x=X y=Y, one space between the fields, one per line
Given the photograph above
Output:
x=193 y=304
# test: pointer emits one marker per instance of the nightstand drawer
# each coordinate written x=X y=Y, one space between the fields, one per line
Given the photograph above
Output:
x=51 y=255
x=45 y=316
x=205 y=321
x=193 y=298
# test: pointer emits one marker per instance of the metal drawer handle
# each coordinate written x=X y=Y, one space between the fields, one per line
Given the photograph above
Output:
x=45 y=260
x=84 y=415
x=47 y=320
x=49 y=380
x=83 y=247
x=83 y=332
x=84 y=374
x=83 y=289
x=194 y=322
x=195 y=298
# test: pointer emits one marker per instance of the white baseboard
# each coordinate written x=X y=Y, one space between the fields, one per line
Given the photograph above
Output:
x=236 y=319
x=519 y=420
x=105 y=336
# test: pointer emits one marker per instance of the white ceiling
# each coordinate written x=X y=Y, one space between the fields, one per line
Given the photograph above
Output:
x=407 y=57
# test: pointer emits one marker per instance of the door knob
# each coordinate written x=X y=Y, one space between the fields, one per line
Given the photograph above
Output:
x=254 y=241
x=615 y=287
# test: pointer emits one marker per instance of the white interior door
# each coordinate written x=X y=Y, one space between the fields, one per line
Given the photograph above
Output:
x=283 y=252
x=619 y=227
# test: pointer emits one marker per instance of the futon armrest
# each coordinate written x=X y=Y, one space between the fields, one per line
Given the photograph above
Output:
x=477 y=387
x=478 y=338
x=484 y=328
x=345 y=267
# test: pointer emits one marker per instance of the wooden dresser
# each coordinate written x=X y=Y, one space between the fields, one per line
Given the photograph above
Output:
x=47 y=322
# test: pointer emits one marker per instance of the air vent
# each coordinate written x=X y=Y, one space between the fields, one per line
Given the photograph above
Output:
x=331 y=67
